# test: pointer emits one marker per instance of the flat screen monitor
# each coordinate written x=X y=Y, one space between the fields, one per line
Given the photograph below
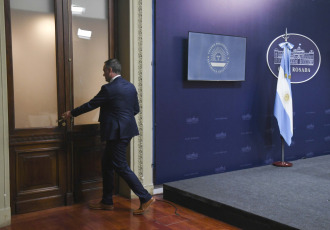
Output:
x=215 y=57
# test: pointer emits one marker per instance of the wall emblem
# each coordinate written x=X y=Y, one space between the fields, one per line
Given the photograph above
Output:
x=192 y=120
x=221 y=135
x=218 y=57
x=220 y=169
x=246 y=149
x=310 y=126
x=327 y=138
x=192 y=156
x=305 y=59
x=246 y=117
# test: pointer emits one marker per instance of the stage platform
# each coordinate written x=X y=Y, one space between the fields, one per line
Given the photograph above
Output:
x=266 y=197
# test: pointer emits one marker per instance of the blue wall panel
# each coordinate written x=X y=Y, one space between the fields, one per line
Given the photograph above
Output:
x=204 y=128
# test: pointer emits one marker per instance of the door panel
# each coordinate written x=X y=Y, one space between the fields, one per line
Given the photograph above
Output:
x=54 y=164
x=87 y=152
x=34 y=65
x=89 y=52
x=90 y=49
x=37 y=170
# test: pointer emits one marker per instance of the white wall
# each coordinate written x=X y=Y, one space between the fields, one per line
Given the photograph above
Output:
x=135 y=54
x=5 y=216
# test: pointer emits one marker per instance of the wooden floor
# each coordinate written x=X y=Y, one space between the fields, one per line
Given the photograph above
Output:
x=161 y=215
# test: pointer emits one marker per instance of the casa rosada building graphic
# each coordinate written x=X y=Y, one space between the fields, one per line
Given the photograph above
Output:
x=298 y=56
x=305 y=57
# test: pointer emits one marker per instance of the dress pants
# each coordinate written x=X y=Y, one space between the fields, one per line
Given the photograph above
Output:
x=114 y=159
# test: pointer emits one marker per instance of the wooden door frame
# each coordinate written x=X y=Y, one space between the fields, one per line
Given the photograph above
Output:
x=63 y=52
x=81 y=190
x=49 y=138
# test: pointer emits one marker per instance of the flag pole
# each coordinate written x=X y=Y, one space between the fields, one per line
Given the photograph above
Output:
x=282 y=163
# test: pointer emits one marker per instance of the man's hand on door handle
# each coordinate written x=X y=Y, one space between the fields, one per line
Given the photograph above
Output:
x=66 y=115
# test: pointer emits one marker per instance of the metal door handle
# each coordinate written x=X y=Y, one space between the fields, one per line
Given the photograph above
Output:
x=61 y=122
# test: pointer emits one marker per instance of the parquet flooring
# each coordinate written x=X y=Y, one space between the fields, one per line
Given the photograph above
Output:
x=161 y=215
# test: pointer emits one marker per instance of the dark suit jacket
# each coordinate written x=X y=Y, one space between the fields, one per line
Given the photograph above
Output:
x=119 y=104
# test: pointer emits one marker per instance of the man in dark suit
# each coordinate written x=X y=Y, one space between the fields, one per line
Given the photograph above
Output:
x=118 y=104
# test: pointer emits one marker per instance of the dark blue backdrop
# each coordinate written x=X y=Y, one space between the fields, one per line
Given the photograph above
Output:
x=204 y=128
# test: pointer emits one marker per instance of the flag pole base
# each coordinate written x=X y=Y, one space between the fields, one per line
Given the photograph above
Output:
x=282 y=164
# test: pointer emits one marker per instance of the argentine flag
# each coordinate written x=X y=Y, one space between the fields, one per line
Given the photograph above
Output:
x=283 y=101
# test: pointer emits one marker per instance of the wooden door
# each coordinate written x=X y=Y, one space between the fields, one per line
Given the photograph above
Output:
x=51 y=69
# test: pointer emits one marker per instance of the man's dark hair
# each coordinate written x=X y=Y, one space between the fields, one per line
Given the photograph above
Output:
x=114 y=64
